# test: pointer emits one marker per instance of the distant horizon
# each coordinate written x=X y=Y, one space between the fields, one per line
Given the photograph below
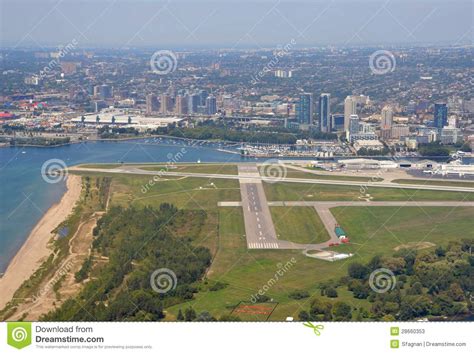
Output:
x=178 y=48
x=231 y=24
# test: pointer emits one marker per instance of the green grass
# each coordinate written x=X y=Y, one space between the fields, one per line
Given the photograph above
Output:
x=187 y=193
x=298 y=224
x=286 y=191
x=301 y=174
x=379 y=230
x=428 y=182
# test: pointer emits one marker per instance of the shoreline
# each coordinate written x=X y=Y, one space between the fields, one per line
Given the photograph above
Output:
x=35 y=249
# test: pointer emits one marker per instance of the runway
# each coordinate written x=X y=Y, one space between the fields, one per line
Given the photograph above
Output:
x=259 y=229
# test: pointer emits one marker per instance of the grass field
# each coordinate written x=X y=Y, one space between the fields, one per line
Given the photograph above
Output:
x=285 y=191
x=184 y=192
x=428 y=182
x=298 y=224
x=378 y=230
x=301 y=174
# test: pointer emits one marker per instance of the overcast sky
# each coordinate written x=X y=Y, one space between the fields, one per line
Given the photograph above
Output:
x=229 y=23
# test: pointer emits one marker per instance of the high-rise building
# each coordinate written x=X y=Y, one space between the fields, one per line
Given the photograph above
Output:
x=304 y=109
x=194 y=103
x=350 y=108
x=211 y=105
x=203 y=94
x=440 y=115
x=181 y=105
x=325 y=113
x=353 y=125
x=387 y=118
x=165 y=102
x=105 y=91
x=152 y=104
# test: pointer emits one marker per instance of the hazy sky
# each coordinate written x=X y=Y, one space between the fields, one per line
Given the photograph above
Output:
x=231 y=23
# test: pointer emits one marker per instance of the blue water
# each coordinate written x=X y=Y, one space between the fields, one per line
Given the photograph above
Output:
x=25 y=196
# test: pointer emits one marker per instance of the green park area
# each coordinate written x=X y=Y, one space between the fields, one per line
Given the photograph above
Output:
x=298 y=224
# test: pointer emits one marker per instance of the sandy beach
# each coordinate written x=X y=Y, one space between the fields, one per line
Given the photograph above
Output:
x=35 y=250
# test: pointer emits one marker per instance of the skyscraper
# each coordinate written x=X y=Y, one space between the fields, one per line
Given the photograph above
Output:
x=353 y=125
x=203 y=94
x=165 y=101
x=181 y=105
x=350 y=108
x=304 y=109
x=325 y=113
x=211 y=105
x=440 y=115
x=152 y=103
x=194 y=103
x=387 y=118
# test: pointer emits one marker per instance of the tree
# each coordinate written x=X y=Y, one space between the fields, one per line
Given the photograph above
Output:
x=358 y=271
x=395 y=264
x=440 y=251
x=189 y=314
x=455 y=292
x=415 y=289
x=303 y=316
x=320 y=311
x=341 y=311
x=331 y=292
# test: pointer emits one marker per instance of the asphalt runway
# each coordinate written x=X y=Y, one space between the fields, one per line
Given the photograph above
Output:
x=259 y=228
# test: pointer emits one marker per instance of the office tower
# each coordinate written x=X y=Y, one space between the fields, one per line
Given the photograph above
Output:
x=304 y=109
x=105 y=91
x=440 y=115
x=181 y=105
x=194 y=103
x=96 y=90
x=353 y=124
x=387 y=118
x=152 y=104
x=350 y=108
x=211 y=105
x=325 y=113
x=386 y=123
x=203 y=94
x=165 y=102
